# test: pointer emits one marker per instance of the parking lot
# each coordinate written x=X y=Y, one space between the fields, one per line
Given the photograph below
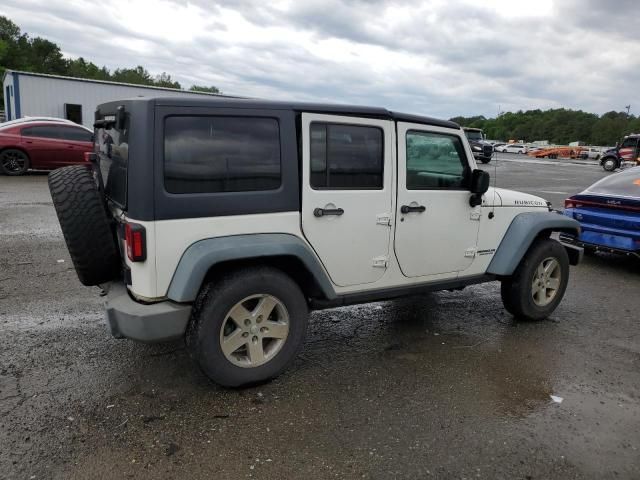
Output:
x=444 y=385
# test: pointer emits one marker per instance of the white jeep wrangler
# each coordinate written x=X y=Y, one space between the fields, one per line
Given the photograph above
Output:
x=224 y=221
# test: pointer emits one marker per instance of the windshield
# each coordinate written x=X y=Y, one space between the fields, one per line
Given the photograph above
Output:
x=112 y=148
x=475 y=135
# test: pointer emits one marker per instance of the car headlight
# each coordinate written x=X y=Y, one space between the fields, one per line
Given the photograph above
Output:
x=476 y=148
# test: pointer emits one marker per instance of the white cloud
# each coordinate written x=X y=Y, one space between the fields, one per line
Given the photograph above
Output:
x=436 y=57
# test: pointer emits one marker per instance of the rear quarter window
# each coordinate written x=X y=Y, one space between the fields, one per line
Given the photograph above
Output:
x=214 y=154
x=112 y=147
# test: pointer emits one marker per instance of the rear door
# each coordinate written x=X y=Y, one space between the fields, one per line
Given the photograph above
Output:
x=436 y=228
x=347 y=194
x=77 y=141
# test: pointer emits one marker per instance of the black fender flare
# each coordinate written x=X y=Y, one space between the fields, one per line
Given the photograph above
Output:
x=201 y=256
x=523 y=230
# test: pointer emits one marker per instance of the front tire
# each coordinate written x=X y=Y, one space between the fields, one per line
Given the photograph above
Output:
x=609 y=164
x=537 y=286
x=247 y=327
x=14 y=162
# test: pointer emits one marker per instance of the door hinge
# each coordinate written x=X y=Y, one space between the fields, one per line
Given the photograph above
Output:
x=475 y=215
x=383 y=219
x=470 y=252
x=380 y=262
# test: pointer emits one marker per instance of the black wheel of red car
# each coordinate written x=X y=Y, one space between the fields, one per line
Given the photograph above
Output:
x=14 y=162
x=537 y=286
x=85 y=224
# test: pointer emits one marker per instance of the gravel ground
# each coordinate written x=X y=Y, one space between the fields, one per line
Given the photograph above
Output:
x=444 y=385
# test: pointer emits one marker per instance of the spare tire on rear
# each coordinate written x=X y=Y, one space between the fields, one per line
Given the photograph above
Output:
x=85 y=224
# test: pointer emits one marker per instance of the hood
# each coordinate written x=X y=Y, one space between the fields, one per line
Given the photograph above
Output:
x=511 y=198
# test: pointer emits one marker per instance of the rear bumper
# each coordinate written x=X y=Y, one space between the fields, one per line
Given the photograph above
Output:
x=156 y=322
x=602 y=247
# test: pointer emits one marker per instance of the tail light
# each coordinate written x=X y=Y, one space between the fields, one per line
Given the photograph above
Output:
x=136 y=242
x=568 y=203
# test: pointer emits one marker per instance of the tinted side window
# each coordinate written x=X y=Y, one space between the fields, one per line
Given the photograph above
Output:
x=629 y=142
x=435 y=160
x=76 y=134
x=207 y=154
x=346 y=156
x=43 y=131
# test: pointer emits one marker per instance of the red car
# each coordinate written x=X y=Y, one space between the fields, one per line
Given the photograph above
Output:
x=42 y=145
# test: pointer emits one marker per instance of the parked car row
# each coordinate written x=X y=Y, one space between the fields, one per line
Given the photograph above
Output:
x=512 y=148
x=42 y=143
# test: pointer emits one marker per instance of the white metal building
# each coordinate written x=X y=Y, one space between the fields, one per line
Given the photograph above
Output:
x=29 y=94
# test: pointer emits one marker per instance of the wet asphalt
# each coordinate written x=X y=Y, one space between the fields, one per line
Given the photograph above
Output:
x=444 y=385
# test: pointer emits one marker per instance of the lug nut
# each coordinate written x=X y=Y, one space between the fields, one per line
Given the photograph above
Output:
x=255 y=339
x=245 y=334
x=264 y=329
x=259 y=318
x=247 y=322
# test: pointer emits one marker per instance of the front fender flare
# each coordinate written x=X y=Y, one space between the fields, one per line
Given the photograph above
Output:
x=524 y=229
x=204 y=254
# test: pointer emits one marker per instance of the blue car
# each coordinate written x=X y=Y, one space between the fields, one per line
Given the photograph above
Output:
x=609 y=214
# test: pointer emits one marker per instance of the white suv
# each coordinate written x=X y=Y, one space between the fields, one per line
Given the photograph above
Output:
x=225 y=221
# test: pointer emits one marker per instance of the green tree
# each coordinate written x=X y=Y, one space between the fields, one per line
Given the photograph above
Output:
x=164 y=80
x=200 y=88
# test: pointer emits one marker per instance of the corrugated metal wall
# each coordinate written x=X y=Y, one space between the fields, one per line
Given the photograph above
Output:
x=46 y=96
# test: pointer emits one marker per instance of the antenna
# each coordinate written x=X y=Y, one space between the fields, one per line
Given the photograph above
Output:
x=492 y=213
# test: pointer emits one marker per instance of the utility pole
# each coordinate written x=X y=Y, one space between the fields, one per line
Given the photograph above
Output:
x=628 y=107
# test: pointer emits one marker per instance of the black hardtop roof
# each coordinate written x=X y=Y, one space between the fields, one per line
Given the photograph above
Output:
x=255 y=104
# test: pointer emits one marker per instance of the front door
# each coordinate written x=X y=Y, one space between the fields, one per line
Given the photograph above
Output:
x=436 y=228
x=347 y=194
x=629 y=149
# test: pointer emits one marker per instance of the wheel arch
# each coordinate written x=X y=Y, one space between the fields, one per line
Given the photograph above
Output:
x=524 y=229
x=207 y=259
x=20 y=148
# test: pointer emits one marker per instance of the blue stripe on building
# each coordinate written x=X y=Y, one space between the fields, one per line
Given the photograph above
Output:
x=16 y=93
x=7 y=95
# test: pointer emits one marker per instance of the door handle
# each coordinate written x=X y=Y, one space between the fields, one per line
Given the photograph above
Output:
x=409 y=208
x=321 y=212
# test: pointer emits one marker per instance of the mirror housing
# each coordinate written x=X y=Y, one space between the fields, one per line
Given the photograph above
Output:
x=480 y=181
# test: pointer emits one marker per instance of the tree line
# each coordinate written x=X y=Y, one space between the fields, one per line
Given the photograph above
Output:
x=560 y=126
x=19 y=51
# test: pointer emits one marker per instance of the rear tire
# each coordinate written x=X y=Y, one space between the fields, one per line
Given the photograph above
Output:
x=485 y=160
x=85 y=224
x=538 y=284
x=260 y=314
x=14 y=162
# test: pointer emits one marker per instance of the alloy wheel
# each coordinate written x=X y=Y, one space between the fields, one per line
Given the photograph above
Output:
x=546 y=282
x=254 y=330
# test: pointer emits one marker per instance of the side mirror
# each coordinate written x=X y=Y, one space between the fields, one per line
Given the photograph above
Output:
x=480 y=181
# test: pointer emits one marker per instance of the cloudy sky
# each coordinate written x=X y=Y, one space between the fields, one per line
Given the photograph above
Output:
x=435 y=57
